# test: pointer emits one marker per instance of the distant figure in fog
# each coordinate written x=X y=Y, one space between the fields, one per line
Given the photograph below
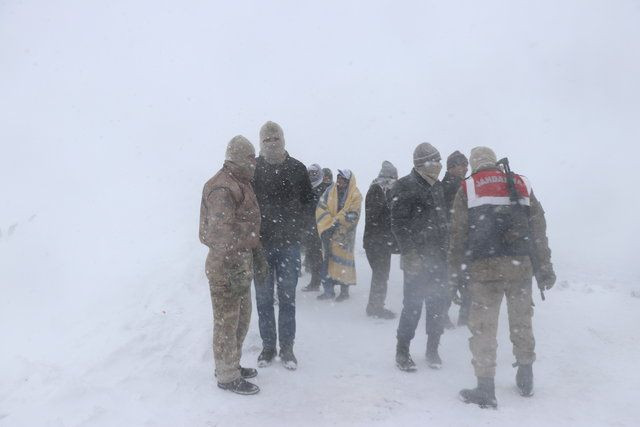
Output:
x=379 y=241
x=311 y=242
x=284 y=194
x=337 y=217
x=327 y=176
x=457 y=168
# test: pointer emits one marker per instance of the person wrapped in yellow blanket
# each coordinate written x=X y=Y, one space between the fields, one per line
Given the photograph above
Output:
x=337 y=217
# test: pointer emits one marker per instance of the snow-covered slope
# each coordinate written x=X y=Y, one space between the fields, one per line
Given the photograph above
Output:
x=114 y=114
x=144 y=358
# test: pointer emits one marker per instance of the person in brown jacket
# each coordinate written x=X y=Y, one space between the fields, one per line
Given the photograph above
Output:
x=498 y=238
x=230 y=228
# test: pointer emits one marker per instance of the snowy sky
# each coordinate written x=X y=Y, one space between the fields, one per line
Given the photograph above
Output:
x=113 y=115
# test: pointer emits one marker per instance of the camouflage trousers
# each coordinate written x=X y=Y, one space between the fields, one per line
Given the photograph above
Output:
x=231 y=316
x=486 y=298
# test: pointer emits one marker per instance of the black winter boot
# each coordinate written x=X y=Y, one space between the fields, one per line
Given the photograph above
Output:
x=247 y=373
x=314 y=284
x=433 y=358
x=403 y=358
x=484 y=395
x=344 y=293
x=266 y=357
x=524 y=380
x=380 y=313
x=287 y=358
x=240 y=386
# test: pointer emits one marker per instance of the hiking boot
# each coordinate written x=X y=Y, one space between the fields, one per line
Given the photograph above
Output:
x=484 y=395
x=266 y=357
x=433 y=358
x=380 y=313
x=344 y=293
x=247 y=373
x=287 y=358
x=240 y=386
x=524 y=380
x=403 y=358
x=326 y=296
x=313 y=286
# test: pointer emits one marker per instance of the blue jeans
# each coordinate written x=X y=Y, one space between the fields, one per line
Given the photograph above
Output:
x=284 y=265
x=428 y=286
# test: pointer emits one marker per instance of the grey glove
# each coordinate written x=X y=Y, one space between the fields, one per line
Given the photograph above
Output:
x=546 y=277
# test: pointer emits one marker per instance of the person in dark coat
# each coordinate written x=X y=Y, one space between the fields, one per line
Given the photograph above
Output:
x=284 y=193
x=379 y=241
x=419 y=222
x=311 y=241
x=457 y=168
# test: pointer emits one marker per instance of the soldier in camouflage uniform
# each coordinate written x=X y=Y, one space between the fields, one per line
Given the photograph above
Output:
x=499 y=240
x=230 y=228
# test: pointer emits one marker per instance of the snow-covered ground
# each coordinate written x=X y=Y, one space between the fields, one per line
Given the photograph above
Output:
x=114 y=114
x=144 y=358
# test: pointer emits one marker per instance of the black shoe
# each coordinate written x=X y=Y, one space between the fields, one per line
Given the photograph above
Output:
x=403 y=358
x=344 y=293
x=524 y=380
x=342 y=297
x=380 y=313
x=240 y=386
x=484 y=395
x=288 y=359
x=325 y=296
x=247 y=373
x=433 y=358
x=311 y=288
x=266 y=357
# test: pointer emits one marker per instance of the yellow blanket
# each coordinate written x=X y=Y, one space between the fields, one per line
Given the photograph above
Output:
x=339 y=253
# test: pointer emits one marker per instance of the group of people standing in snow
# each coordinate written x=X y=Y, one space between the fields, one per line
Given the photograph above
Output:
x=473 y=239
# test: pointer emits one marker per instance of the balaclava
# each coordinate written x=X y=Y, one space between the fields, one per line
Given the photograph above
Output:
x=388 y=170
x=426 y=161
x=387 y=177
x=272 y=143
x=482 y=157
x=456 y=159
x=238 y=151
x=315 y=175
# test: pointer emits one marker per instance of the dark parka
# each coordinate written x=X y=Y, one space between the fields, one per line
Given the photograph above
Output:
x=418 y=217
x=377 y=229
x=451 y=185
x=284 y=194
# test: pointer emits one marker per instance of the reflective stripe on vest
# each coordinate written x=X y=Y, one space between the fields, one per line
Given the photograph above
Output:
x=490 y=188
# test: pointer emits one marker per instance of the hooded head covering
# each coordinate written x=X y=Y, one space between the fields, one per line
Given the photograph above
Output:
x=315 y=174
x=239 y=151
x=388 y=170
x=272 y=143
x=482 y=157
x=456 y=159
x=426 y=161
x=387 y=177
x=345 y=173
